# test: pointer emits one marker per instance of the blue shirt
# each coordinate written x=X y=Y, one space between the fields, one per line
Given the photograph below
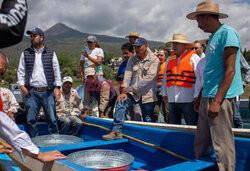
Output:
x=214 y=71
x=121 y=71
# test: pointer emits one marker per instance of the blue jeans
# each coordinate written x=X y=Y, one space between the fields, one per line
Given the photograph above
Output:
x=34 y=100
x=70 y=125
x=176 y=110
x=147 y=110
x=238 y=123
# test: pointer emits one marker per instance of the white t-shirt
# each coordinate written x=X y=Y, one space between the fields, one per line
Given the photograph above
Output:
x=93 y=54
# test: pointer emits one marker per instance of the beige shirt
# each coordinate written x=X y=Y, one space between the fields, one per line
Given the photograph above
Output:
x=142 y=76
x=73 y=98
x=9 y=100
x=104 y=97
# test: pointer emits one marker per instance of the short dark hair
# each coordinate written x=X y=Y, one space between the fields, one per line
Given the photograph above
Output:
x=166 y=51
x=128 y=46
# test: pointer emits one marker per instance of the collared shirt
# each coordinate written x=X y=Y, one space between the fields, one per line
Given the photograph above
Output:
x=199 y=76
x=178 y=94
x=9 y=100
x=142 y=76
x=64 y=106
x=104 y=96
x=14 y=136
x=38 y=78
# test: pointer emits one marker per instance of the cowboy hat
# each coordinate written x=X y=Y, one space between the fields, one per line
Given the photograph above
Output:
x=133 y=34
x=180 y=38
x=206 y=7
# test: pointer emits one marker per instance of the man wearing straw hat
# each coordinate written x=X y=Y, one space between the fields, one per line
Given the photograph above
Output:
x=179 y=75
x=132 y=37
x=222 y=83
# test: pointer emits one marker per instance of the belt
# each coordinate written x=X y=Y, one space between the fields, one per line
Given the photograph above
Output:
x=39 y=88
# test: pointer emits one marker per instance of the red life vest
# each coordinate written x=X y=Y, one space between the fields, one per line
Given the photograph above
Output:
x=184 y=77
x=160 y=75
x=1 y=105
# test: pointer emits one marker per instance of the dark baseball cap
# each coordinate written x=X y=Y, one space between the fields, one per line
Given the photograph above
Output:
x=140 y=41
x=36 y=31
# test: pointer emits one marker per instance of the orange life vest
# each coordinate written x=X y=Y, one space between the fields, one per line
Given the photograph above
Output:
x=184 y=77
x=160 y=75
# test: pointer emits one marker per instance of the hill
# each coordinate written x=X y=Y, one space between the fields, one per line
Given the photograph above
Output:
x=67 y=41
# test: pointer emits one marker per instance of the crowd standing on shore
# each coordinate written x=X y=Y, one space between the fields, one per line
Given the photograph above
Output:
x=203 y=86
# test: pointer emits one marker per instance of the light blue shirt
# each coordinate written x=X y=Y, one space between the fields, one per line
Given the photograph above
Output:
x=214 y=71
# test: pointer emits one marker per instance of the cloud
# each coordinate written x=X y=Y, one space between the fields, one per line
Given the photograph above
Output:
x=154 y=20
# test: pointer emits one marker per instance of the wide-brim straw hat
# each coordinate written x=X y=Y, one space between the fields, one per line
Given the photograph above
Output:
x=206 y=7
x=133 y=34
x=181 y=38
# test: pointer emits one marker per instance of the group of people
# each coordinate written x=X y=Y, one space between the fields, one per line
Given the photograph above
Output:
x=201 y=86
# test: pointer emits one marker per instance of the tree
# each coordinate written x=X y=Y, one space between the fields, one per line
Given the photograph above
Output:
x=108 y=72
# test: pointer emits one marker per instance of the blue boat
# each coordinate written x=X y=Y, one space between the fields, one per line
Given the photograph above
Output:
x=152 y=148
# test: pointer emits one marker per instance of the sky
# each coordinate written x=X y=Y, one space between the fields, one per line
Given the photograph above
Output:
x=153 y=19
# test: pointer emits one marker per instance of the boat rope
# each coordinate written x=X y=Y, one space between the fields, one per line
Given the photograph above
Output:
x=143 y=142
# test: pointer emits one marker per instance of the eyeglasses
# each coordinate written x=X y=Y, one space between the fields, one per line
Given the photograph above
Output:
x=195 y=48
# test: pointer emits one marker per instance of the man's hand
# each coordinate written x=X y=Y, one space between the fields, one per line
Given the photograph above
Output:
x=213 y=109
x=57 y=93
x=11 y=115
x=24 y=90
x=50 y=156
x=165 y=99
x=84 y=115
x=6 y=148
x=196 y=104
x=122 y=97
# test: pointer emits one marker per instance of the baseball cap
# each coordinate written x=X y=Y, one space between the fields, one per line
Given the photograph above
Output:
x=67 y=78
x=140 y=41
x=36 y=31
x=91 y=39
x=90 y=71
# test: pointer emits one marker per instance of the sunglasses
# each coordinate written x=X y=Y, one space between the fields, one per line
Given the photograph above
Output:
x=194 y=48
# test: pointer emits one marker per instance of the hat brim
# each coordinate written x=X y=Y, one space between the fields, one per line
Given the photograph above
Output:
x=67 y=81
x=192 y=16
x=128 y=36
x=188 y=44
x=29 y=32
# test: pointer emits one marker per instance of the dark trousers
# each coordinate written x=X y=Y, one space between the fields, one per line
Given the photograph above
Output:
x=165 y=109
x=187 y=109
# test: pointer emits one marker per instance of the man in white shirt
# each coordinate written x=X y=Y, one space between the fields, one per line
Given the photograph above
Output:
x=180 y=71
x=40 y=80
x=19 y=140
x=198 y=47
